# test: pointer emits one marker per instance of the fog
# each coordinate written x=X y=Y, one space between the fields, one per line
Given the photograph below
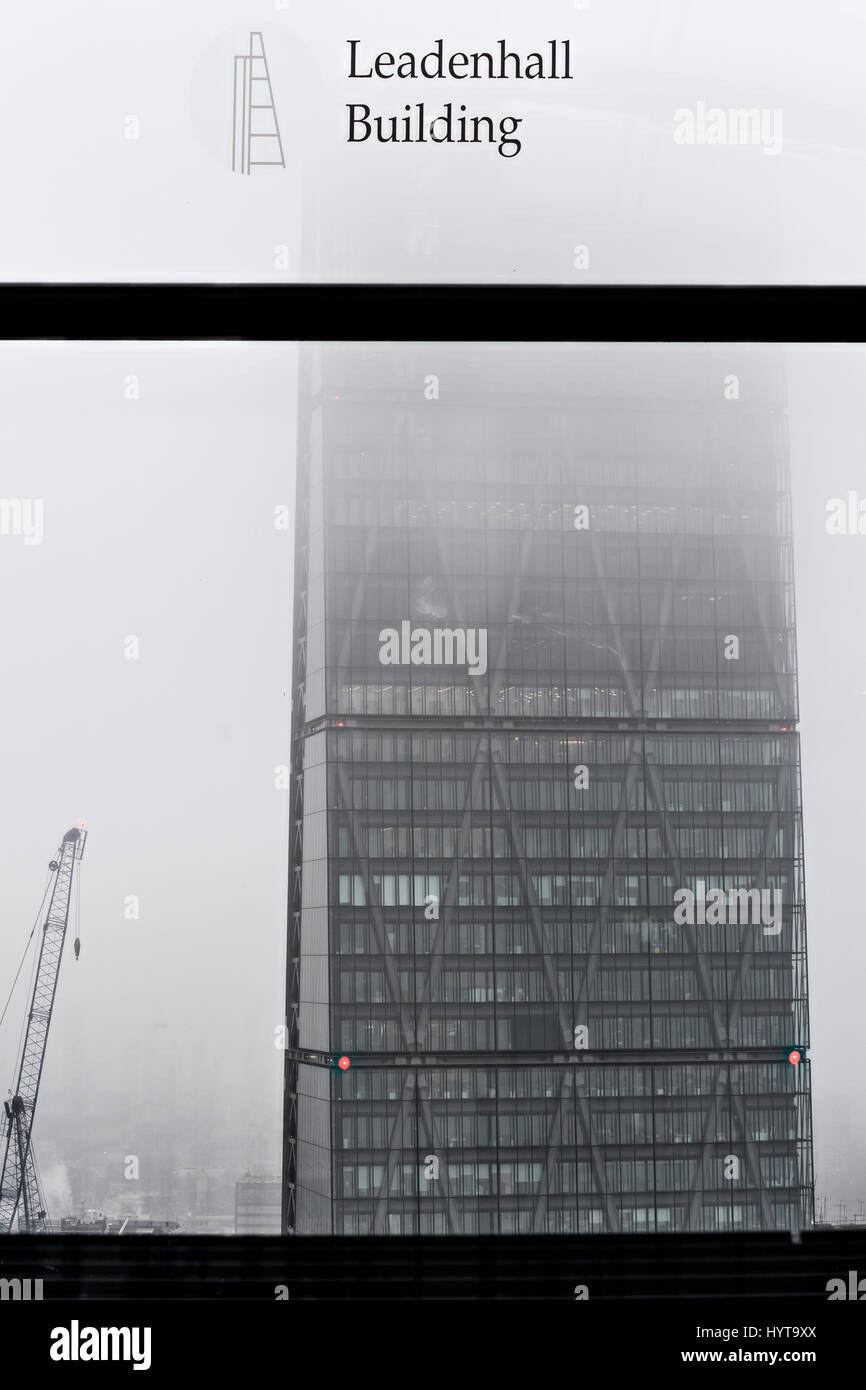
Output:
x=159 y=525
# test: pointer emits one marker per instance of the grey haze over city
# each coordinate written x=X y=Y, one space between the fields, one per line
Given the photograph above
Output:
x=159 y=524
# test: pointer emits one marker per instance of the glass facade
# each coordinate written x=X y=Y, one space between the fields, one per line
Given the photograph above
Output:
x=546 y=866
x=257 y=1206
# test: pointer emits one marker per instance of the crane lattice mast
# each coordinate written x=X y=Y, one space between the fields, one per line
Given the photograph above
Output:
x=20 y=1190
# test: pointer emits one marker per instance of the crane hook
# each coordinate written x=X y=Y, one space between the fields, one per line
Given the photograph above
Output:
x=77 y=946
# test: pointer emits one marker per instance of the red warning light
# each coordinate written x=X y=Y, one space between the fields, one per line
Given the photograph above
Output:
x=344 y=1064
x=794 y=1057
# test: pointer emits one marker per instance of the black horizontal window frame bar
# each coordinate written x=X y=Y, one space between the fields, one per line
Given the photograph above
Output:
x=425 y=313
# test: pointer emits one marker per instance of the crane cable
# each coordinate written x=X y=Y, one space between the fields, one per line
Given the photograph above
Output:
x=26 y=949
x=39 y=1187
x=77 y=942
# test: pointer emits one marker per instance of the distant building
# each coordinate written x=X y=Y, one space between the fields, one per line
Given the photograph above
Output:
x=257 y=1206
x=202 y=1197
x=96 y=1223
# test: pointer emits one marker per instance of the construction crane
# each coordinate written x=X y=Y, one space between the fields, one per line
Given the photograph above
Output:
x=20 y=1189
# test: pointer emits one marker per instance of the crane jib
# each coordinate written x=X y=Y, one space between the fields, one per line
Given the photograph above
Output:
x=20 y=1189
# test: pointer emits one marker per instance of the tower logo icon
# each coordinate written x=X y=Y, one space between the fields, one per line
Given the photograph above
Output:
x=256 y=136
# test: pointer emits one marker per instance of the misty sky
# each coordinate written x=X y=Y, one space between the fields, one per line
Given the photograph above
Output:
x=159 y=524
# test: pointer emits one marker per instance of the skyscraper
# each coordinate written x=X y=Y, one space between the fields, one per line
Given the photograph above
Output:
x=546 y=891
